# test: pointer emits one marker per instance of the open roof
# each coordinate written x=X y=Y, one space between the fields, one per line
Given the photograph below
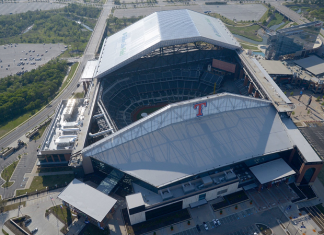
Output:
x=164 y=28
x=173 y=143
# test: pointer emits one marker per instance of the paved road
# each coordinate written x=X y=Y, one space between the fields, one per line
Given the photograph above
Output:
x=89 y=54
x=29 y=160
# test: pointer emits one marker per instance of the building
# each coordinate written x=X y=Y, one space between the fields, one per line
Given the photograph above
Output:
x=65 y=134
x=191 y=145
x=83 y=200
x=200 y=149
x=294 y=41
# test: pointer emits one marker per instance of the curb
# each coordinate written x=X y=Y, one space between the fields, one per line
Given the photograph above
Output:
x=72 y=78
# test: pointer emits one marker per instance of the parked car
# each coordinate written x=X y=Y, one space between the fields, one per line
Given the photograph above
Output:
x=206 y=226
x=198 y=228
x=28 y=221
x=34 y=231
x=216 y=222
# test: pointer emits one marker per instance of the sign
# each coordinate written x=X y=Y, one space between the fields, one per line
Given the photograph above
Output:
x=199 y=107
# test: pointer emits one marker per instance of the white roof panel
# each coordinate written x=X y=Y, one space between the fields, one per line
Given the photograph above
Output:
x=173 y=143
x=89 y=71
x=164 y=28
x=87 y=199
x=271 y=171
x=313 y=64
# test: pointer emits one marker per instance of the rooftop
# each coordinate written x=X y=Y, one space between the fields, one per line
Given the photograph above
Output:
x=173 y=143
x=271 y=171
x=313 y=64
x=66 y=127
x=275 y=67
x=160 y=29
x=149 y=198
x=87 y=199
x=89 y=71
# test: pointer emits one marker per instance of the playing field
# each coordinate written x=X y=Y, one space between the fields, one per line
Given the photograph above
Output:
x=148 y=109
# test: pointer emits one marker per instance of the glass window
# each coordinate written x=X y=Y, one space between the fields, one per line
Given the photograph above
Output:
x=202 y=196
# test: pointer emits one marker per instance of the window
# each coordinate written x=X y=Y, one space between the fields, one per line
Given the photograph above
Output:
x=202 y=196
x=222 y=191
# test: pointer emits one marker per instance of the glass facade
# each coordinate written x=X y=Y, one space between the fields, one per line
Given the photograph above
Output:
x=291 y=40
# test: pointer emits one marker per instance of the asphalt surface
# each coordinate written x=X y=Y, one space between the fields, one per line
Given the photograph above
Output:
x=231 y=11
x=40 y=117
x=13 y=54
x=14 y=8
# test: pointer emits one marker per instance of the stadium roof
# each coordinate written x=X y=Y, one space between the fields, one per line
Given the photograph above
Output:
x=173 y=143
x=313 y=64
x=87 y=199
x=160 y=29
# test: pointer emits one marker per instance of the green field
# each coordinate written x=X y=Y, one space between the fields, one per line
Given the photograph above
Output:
x=248 y=32
x=71 y=73
x=277 y=19
x=41 y=182
x=149 y=110
x=7 y=173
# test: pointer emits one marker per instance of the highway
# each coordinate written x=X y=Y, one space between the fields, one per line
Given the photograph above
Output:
x=48 y=111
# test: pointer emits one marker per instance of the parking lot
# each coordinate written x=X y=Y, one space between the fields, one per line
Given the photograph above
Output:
x=231 y=11
x=15 y=8
x=12 y=56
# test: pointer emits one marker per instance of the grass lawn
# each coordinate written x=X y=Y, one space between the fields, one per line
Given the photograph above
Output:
x=228 y=21
x=4 y=232
x=13 y=206
x=40 y=132
x=91 y=229
x=248 y=32
x=79 y=95
x=250 y=46
x=287 y=22
x=6 y=127
x=41 y=182
x=53 y=169
x=277 y=19
x=63 y=213
x=7 y=173
x=71 y=73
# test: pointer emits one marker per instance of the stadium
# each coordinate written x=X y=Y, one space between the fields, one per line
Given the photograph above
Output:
x=164 y=131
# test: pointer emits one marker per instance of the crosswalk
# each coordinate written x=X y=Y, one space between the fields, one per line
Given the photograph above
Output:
x=237 y=216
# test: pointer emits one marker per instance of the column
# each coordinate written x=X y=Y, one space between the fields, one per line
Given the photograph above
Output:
x=292 y=155
x=256 y=94
x=260 y=186
x=250 y=88
x=85 y=87
x=246 y=80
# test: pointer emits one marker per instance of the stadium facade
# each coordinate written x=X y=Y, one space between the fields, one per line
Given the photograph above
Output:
x=294 y=41
x=199 y=145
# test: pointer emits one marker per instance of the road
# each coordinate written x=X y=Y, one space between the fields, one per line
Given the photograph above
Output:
x=28 y=161
x=89 y=54
x=292 y=15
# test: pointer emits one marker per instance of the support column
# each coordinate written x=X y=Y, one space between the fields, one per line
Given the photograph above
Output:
x=269 y=185
x=256 y=94
x=59 y=157
x=246 y=80
x=250 y=88
x=292 y=155
x=85 y=87
x=260 y=187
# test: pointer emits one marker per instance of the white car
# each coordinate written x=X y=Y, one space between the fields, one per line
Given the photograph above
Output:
x=205 y=226
x=216 y=222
